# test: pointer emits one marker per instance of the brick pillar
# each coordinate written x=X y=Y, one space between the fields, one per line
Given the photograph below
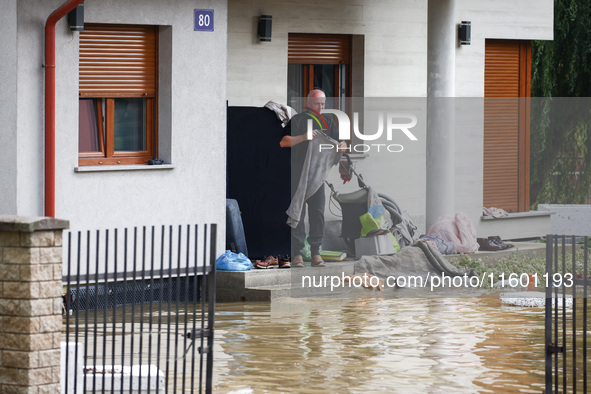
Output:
x=30 y=304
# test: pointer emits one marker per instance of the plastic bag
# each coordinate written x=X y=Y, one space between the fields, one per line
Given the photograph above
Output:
x=459 y=230
x=231 y=261
x=369 y=223
x=307 y=251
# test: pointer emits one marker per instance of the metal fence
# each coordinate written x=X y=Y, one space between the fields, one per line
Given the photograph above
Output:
x=139 y=309
x=567 y=280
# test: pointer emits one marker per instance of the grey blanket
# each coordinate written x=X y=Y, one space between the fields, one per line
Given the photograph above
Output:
x=419 y=259
x=314 y=172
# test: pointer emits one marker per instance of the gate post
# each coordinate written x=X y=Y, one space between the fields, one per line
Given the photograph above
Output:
x=549 y=345
x=30 y=303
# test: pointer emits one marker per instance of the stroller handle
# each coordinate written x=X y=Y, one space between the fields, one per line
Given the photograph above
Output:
x=360 y=180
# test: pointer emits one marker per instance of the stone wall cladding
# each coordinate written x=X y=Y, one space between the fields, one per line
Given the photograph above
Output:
x=30 y=304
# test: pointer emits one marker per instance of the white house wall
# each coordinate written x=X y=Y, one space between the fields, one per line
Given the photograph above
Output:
x=395 y=34
x=505 y=19
x=502 y=19
x=8 y=125
x=191 y=120
x=394 y=65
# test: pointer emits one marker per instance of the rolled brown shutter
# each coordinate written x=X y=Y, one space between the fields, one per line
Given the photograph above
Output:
x=319 y=49
x=506 y=125
x=118 y=61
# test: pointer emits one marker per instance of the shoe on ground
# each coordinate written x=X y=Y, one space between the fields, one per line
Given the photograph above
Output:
x=317 y=261
x=297 y=262
x=283 y=261
x=267 y=263
x=488 y=245
x=496 y=239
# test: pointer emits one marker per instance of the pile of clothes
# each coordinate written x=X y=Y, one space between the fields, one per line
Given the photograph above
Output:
x=452 y=234
x=457 y=235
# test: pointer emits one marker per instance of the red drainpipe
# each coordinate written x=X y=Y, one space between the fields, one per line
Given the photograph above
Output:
x=50 y=102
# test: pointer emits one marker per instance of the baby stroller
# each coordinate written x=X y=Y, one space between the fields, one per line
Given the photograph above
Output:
x=354 y=204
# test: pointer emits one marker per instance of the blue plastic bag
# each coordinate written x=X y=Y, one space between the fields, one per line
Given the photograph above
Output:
x=376 y=210
x=230 y=261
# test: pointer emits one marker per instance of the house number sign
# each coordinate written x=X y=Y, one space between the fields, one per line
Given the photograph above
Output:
x=203 y=20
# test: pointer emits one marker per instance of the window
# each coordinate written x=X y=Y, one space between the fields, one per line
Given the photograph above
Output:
x=118 y=94
x=506 y=124
x=319 y=61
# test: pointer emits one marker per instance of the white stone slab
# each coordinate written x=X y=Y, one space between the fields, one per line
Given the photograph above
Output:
x=533 y=299
x=115 y=376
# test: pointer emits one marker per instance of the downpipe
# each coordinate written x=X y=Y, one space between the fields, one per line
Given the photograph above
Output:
x=54 y=17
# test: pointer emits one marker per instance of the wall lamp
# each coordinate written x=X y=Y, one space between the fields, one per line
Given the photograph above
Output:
x=265 y=24
x=76 y=18
x=464 y=32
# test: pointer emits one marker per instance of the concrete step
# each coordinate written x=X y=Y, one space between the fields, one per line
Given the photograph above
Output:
x=268 y=285
x=272 y=284
x=528 y=249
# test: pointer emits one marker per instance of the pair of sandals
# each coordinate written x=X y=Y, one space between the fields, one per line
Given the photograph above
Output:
x=298 y=261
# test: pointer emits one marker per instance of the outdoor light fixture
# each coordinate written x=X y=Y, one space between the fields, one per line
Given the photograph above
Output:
x=464 y=32
x=265 y=22
x=76 y=18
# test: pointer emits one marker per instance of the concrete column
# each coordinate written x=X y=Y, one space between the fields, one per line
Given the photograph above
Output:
x=441 y=52
x=30 y=304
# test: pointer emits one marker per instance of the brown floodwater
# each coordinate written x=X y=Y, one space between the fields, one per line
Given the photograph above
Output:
x=376 y=345
x=369 y=342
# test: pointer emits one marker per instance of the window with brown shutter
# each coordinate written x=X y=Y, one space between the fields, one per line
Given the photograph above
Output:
x=319 y=61
x=506 y=124
x=118 y=84
x=319 y=48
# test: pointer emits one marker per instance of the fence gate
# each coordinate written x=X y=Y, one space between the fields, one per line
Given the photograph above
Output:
x=567 y=282
x=139 y=310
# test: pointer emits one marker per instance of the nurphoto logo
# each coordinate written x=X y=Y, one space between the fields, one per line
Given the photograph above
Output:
x=392 y=123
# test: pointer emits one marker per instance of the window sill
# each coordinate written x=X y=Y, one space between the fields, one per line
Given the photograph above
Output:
x=519 y=215
x=124 y=167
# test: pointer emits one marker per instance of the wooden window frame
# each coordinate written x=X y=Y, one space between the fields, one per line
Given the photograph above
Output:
x=312 y=42
x=308 y=78
x=310 y=49
x=107 y=154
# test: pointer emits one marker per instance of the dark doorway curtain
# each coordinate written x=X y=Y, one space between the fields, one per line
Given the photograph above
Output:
x=258 y=172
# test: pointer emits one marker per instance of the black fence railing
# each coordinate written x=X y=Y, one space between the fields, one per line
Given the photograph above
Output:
x=567 y=282
x=139 y=310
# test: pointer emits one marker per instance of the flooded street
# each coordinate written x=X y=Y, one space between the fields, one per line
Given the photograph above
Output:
x=362 y=345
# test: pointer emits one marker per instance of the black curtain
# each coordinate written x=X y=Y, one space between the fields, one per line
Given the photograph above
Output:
x=258 y=177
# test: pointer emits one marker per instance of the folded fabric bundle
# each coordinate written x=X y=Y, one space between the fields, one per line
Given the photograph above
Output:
x=442 y=245
x=494 y=212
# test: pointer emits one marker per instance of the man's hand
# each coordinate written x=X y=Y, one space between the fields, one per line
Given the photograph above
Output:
x=342 y=147
x=313 y=135
x=288 y=141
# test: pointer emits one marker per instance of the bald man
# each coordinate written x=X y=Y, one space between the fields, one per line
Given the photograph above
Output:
x=296 y=138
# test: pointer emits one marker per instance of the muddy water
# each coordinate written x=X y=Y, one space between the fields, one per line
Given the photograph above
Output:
x=410 y=345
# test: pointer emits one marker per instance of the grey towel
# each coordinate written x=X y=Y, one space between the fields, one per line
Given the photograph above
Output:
x=283 y=112
x=314 y=171
x=420 y=259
